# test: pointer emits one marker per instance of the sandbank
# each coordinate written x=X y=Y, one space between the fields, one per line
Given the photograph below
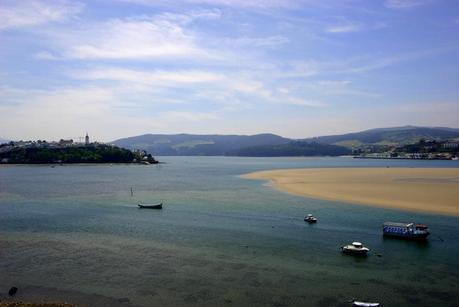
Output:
x=432 y=190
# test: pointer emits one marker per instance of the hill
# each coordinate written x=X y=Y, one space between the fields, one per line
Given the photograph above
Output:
x=395 y=136
x=197 y=145
x=377 y=140
x=2 y=140
x=292 y=149
x=44 y=154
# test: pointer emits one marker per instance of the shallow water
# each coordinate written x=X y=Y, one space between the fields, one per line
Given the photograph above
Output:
x=220 y=239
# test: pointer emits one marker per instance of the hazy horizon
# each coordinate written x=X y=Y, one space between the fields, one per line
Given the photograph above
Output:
x=293 y=68
x=81 y=138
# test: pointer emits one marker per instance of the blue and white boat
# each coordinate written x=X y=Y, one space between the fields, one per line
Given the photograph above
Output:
x=406 y=230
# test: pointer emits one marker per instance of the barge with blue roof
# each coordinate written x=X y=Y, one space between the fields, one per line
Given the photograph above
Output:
x=406 y=230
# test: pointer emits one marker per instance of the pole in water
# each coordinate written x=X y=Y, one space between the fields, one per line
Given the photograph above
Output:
x=132 y=192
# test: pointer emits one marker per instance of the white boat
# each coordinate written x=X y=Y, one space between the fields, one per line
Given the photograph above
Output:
x=365 y=304
x=356 y=248
x=310 y=219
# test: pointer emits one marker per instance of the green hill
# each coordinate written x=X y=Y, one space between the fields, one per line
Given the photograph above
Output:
x=197 y=145
x=73 y=154
x=396 y=136
x=292 y=149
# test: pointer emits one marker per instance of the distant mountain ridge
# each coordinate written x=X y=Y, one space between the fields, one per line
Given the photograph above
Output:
x=274 y=145
x=395 y=136
x=195 y=145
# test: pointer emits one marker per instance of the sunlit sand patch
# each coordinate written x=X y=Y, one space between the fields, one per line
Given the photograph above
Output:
x=434 y=190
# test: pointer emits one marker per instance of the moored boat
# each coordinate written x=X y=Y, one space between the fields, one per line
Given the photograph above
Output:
x=406 y=230
x=151 y=206
x=365 y=304
x=310 y=219
x=356 y=248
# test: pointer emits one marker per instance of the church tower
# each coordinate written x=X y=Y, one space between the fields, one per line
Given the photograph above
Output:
x=86 y=139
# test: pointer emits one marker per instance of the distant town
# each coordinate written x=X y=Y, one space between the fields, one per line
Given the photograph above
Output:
x=423 y=149
x=68 y=151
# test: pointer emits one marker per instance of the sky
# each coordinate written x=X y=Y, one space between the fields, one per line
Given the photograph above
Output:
x=297 y=68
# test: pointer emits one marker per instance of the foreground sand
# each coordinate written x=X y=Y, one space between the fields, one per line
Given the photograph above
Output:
x=434 y=190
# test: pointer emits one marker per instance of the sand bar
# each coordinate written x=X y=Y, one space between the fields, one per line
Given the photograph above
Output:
x=433 y=190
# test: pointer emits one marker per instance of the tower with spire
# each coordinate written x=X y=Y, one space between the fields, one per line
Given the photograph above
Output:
x=86 y=139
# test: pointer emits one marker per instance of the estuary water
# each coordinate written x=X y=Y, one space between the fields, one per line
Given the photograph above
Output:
x=73 y=233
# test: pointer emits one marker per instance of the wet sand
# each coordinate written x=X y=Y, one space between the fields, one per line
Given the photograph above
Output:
x=432 y=190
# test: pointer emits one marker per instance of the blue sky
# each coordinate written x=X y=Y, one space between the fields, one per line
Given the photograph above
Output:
x=296 y=68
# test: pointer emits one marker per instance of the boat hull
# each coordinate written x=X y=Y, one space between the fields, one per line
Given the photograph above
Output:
x=157 y=206
x=354 y=252
x=407 y=236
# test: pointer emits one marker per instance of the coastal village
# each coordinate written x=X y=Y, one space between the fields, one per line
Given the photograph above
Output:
x=45 y=144
x=37 y=149
x=423 y=149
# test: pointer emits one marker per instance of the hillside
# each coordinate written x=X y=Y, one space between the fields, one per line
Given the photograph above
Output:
x=100 y=153
x=197 y=145
x=377 y=140
x=292 y=149
x=2 y=140
x=388 y=136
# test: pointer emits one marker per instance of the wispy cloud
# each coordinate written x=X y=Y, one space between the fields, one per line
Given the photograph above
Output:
x=405 y=4
x=349 y=26
x=371 y=62
x=143 y=37
x=160 y=78
x=189 y=116
x=305 y=102
x=131 y=39
x=336 y=88
x=345 y=28
x=258 y=4
x=27 y=13
x=269 y=41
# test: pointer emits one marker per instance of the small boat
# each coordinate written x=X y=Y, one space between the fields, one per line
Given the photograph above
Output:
x=356 y=248
x=365 y=304
x=151 y=206
x=310 y=219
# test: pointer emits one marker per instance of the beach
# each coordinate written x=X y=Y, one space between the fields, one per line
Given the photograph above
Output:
x=430 y=190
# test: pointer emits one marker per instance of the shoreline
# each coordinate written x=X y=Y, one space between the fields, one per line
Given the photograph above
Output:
x=79 y=164
x=427 y=190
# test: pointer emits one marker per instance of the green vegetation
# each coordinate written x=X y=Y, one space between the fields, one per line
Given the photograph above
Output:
x=197 y=145
x=73 y=154
x=292 y=149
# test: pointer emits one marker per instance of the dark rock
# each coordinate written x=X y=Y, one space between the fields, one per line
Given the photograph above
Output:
x=12 y=291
